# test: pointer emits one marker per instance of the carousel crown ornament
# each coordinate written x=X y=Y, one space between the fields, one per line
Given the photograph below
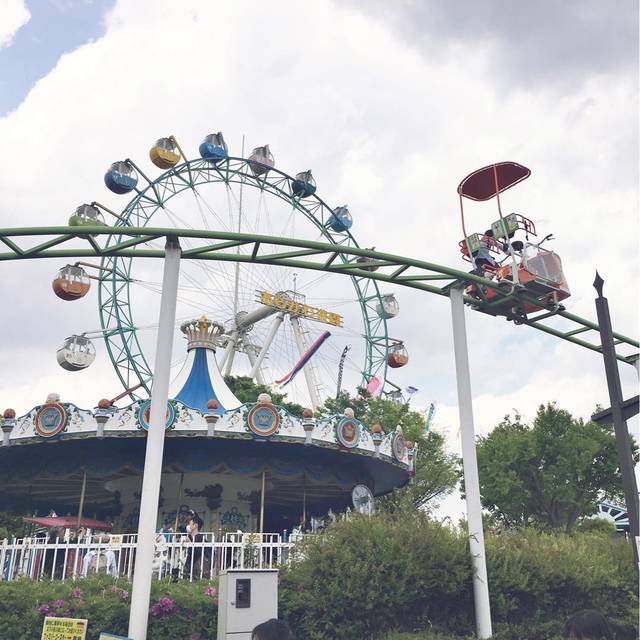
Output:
x=201 y=332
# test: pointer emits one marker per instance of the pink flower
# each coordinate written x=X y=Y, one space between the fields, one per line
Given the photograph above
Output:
x=58 y=604
x=114 y=589
x=210 y=591
x=76 y=593
x=43 y=608
x=195 y=636
x=124 y=594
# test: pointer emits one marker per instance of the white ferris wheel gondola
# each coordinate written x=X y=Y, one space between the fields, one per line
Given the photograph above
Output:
x=76 y=353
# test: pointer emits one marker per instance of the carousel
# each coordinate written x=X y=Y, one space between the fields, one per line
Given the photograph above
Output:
x=241 y=466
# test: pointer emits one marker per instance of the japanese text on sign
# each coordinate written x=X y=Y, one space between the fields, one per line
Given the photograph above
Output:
x=280 y=301
x=64 y=629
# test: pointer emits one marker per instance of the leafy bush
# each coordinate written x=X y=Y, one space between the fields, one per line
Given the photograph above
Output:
x=539 y=579
x=408 y=574
x=180 y=611
x=371 y=575
x=394 y=574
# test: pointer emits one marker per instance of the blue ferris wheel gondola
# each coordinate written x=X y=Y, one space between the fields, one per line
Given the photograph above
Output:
x=340 y=220
x=213 y=147
x=303 y=185
x=121 y=178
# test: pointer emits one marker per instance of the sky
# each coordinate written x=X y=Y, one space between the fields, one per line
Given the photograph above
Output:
x=391 y=105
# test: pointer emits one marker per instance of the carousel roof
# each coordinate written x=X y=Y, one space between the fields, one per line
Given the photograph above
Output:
x=337 y=451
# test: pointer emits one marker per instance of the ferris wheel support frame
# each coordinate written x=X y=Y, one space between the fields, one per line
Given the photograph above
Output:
x=309 y=376
x=426 y=272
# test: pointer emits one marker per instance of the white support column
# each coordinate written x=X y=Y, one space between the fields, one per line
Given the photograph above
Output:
x=277 y=321
x=308 y=372
x=141 y=589
x=231 y=346
x=229 y=356
x=470 y=466
x=251 y=354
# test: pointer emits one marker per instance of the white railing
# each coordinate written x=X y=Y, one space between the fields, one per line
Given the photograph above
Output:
x=176 y=556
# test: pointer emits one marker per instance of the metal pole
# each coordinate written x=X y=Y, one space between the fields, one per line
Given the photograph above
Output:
x=175 y=526
x=251 y=354
x=82 y=493
x=308 y=372
x=625 y=458
x=304 y=501
x=277 y=321
x=141 y=588
x=470 y=467
x=262 y=505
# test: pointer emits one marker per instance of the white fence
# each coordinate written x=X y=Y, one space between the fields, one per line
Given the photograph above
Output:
x=176 y=556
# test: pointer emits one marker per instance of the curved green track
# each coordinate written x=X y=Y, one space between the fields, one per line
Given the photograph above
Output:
x=73 y=242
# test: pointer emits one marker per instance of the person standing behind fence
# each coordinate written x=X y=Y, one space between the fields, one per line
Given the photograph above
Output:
x=194 y=555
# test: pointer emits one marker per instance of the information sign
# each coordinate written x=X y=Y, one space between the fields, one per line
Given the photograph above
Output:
x=64 y=629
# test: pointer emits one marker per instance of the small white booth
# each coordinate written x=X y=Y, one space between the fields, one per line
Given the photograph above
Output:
x=246 y=598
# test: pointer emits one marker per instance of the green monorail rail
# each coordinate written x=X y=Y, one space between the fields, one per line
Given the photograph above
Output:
x=76 y=242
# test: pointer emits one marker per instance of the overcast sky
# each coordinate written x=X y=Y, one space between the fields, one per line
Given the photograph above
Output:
x=390 y=104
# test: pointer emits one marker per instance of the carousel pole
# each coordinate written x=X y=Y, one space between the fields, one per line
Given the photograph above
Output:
x=175 y=527
x=82 y=494
x=304 y=501
x=262 y=505
x=143 y=569
x=470 y=467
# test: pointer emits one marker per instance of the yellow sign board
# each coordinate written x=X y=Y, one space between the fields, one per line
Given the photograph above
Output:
x=64 y=629
x=285 y=303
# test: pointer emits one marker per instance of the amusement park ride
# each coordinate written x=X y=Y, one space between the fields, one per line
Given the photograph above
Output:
x=271 y=316
x=254 y=304
x=524 y=266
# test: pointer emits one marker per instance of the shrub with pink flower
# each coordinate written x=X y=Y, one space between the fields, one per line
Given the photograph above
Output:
x=163 y=607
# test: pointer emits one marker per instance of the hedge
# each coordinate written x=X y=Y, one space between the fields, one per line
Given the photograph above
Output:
x=387 y=577
x=178 y=610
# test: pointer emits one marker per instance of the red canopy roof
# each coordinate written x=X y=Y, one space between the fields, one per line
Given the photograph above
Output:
x=70 y=522
x=481 y=184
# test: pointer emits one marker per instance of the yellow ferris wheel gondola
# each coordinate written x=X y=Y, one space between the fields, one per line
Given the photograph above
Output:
x=165 y=153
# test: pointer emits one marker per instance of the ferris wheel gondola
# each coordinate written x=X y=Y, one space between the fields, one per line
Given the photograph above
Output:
x=165 y=153
x=304 y=185
x=121 y=178
x=87 y=215
x=71 y=283
x=213 y=147
x=261 y=160
x=76 y=353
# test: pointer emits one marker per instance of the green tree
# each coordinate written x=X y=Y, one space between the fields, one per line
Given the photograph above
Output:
x=11 y=524
x=550 y=474
x=246 y=390
x=437 y=472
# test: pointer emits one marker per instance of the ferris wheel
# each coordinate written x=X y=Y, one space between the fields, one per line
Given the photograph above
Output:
x=273 y=318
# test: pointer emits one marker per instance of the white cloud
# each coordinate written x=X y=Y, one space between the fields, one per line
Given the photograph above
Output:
x=385 y=129
x=13 y=16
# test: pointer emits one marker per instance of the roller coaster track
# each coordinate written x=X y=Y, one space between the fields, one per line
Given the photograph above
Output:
x=64 y=243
